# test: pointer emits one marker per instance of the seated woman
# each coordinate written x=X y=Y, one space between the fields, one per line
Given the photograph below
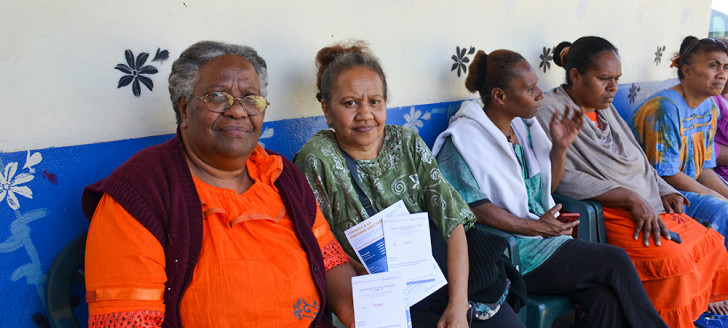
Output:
x=511 y=191
x=209 y=229
x=676 y=128
x=721 y=135
x=392 y=163
x=605 y=163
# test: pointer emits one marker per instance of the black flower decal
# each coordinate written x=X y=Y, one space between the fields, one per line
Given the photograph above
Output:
x=161 y=55
x=546 y=57
x=134 y=71
x=460 y=58
x=633 y=90
x=658 y=55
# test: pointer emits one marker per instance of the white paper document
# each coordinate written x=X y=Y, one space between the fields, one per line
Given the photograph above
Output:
x=408 y=249
x=395 y=240
x=407 y=242
x=380 y=301
x=367 y=238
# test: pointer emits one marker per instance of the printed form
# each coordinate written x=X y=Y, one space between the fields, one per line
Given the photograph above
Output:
x=395 y=240
x=367 y=238
x=407 y=241
x=380 y=301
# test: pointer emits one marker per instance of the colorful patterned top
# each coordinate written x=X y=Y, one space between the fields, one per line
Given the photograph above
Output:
x=675 y=137
x=231 y=285
x=404 y=169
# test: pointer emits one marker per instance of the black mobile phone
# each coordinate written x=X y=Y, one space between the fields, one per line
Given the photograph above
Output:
x=674 y=236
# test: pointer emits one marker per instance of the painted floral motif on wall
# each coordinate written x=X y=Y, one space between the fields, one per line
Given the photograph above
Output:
x=658 y=54
x=11 y=185
x=633 y=91
x=461 y=58
x=546 y=58
x=13 y=180
x=267 y=134
x=135 y=70
x=415 y=119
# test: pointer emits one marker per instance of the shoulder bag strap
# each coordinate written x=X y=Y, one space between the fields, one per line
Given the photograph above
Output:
x=365 y=201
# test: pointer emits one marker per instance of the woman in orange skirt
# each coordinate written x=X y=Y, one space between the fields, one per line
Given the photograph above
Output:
x=683 y=278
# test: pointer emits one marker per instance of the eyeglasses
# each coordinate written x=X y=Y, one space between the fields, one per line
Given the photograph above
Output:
x=220 y=102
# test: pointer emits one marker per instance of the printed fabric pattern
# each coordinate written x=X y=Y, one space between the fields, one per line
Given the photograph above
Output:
x=404 y=169
x=675 y=137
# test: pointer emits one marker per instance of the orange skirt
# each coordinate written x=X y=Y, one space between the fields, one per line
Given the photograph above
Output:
x=680 y=279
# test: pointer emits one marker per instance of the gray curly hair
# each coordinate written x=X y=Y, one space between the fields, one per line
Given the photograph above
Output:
x=185 y=70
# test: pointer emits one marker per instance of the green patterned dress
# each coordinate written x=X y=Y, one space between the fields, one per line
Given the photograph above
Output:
x=404 y=169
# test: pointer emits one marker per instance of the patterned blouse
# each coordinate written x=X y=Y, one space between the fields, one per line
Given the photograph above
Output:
x=675 y=137
x=404 y=169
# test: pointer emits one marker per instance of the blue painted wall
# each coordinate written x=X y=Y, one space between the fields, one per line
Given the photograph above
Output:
x=40 y=192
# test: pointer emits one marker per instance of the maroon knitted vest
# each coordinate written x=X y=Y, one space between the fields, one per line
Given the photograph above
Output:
x=155 y=186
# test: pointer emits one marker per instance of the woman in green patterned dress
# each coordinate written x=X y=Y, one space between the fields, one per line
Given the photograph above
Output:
x=394 y=164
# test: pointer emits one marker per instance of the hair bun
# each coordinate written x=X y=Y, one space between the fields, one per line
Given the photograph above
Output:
x=481 y=71
x=331 y=61
x=476 y=74
x=560 y=53
x=689 y=42
x=327 y=55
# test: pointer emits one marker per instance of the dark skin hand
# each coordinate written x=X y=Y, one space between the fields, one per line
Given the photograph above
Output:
x=546 y=226
x=718 y=307
x=358 y=267
x=339 y=293
x=642 y=212
x=674 y=203
x=648 y=222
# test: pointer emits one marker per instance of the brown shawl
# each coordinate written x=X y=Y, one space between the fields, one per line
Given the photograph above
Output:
x=601 y=160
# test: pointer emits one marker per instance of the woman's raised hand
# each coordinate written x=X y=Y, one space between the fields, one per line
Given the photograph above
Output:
x=565 y=127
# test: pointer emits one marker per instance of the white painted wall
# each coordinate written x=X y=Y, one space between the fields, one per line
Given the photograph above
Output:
x=57 y=58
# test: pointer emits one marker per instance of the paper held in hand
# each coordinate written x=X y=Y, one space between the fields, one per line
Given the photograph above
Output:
x=380 y=301
x=395 y=240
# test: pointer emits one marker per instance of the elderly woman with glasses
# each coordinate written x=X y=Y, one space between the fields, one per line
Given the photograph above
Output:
x=209 y=229
x=676 y=128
